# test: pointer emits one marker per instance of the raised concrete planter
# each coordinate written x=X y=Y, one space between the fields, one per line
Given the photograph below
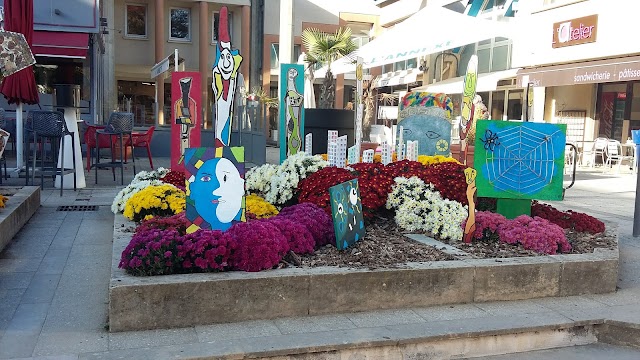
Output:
x=22 y=204
x=140 y=303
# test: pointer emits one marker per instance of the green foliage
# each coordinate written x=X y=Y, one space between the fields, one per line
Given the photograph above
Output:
x=323 y=49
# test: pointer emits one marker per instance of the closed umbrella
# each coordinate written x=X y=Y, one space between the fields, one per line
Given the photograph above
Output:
x=309 y=96
x=20 y=87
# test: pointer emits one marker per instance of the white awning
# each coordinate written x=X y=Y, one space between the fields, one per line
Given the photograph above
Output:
x=486 y=82
x=430 y=30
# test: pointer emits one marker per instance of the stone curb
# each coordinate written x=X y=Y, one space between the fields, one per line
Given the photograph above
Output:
x=142 y=303
x=19 y=209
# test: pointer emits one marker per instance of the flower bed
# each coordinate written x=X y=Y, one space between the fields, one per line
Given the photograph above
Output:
x=288 y=219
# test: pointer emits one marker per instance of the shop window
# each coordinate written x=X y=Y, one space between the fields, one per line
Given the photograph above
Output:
x=275 y=55
x=514 y=104
x=214 y=26
x=497 y=105
x=136 y=20
x=180 y=24
x=139 y=98
x=494 y=55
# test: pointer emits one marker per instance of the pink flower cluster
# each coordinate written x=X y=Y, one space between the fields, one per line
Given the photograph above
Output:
x=533 y=233
x=160 y=252
x=259 y=246
x=161 y=246
x=314 y=219
x=298 y=236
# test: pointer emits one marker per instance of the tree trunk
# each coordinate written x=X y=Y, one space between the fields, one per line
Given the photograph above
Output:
x=327 y=91
x=369 y=111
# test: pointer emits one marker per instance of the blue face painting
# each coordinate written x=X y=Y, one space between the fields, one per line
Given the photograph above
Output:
x=217 y=191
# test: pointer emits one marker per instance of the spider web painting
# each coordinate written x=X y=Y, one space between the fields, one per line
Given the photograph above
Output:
x=520 y=160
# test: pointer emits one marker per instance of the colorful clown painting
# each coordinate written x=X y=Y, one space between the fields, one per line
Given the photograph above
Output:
x=225 y=75
x=215 y=187
x=346 y=210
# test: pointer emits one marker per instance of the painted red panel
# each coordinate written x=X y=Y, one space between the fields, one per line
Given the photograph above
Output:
x=186 y=120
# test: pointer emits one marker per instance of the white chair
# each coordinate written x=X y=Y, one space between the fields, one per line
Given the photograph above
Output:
x=613 y=153
x=597 y=150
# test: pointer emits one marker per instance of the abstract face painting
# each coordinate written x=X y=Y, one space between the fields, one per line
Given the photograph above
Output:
x=215 y=187
x=425 y=117
x=346 y=210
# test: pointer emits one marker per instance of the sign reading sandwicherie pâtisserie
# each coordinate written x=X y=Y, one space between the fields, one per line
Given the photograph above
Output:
x=574 y=32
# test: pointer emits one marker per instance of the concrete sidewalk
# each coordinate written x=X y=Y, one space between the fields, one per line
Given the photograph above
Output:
x=54 y=291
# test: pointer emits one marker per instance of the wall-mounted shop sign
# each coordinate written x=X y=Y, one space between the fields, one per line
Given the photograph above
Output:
x=599 y=71
x=574 y=32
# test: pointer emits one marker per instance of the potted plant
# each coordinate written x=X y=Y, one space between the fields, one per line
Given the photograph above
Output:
x=270 y=105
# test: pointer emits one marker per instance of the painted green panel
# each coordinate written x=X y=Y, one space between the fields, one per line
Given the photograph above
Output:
x=291 y=109
x=519 y=160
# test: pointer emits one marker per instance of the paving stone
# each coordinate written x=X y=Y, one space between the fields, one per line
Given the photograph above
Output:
x=71 y=342
x=239 y=330
x=21 y=334
x=41 y=289
x=625 y=296
x=54 y=262
x=508 y=308
x=152 y=338
x=314 y=324
x=451 y=312
x=582 y=352
x=76 y=313
x=386 y=317
x=19 y=265
x=10 y=281
x=21 y=247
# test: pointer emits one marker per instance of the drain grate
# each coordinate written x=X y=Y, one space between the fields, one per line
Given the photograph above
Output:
x=78 y=208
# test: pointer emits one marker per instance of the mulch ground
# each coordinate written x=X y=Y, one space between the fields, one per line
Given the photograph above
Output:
x=385 y=246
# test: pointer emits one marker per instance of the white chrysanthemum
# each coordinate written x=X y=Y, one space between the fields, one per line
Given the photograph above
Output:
x=426 y=210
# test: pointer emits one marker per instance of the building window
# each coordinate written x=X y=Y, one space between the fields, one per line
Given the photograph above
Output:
x=180 y=24
x=275 y=55
x=214 y=26
x=494 y=55
x=136 y=25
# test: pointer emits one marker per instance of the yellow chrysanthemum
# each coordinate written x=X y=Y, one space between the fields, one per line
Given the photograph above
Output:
x=155 y=200
x=259 y=207
x=436 y=159
x=3 y=200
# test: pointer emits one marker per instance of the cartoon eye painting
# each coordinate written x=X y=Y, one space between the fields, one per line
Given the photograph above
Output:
x=346 y=209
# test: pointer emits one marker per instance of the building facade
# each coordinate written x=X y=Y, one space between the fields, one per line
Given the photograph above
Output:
x=65 y=41
x=443 y=72
x=583 y=68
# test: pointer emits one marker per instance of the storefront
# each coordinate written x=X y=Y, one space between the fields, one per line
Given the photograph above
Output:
x=582 y=71
x=63 y=45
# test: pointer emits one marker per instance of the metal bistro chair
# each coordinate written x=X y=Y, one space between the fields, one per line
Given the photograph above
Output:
x=614 y=153
x=120 y=124
x=51 y=125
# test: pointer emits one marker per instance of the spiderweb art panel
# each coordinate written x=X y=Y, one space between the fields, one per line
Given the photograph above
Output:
x=520 y=160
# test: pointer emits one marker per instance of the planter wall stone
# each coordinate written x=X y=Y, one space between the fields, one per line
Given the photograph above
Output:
x=24 y=202
x=141 y=303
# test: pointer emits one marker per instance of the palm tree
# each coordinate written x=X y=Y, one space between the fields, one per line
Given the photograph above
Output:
x=323 y=49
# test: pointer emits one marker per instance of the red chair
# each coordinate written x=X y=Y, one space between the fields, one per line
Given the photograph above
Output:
x=90 y=140
x=141 y=140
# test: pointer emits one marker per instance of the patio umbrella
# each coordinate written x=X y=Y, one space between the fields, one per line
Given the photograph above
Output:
x=20 y=87
x=309 y=96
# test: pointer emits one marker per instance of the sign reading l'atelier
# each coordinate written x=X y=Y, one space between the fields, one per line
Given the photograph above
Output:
x=574 y=32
